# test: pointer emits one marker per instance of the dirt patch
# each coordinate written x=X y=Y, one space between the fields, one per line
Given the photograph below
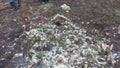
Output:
x=103 y=15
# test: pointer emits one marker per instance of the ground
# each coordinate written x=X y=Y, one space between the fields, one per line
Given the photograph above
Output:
x=102 y=15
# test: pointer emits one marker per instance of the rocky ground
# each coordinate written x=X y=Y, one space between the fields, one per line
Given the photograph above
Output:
x=30 y=38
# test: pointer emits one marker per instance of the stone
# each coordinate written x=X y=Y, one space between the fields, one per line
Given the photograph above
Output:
x=60 y=66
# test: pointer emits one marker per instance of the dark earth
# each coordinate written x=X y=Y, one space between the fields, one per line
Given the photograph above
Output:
x=103 y=15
